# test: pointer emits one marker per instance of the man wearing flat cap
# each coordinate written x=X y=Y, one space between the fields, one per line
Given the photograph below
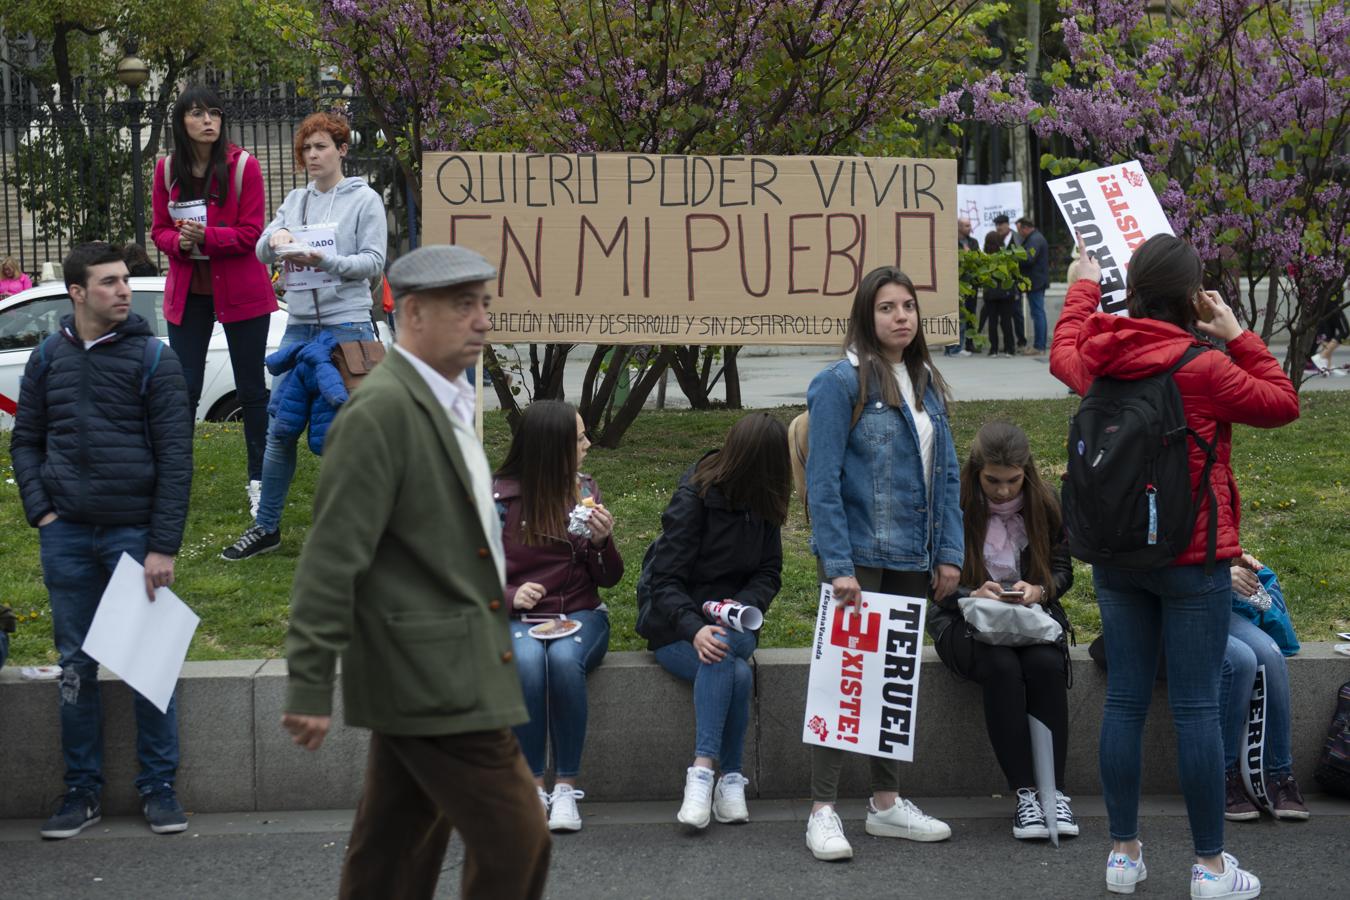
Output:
x=401 y=575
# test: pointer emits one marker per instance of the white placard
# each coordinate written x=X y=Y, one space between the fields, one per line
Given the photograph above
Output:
x=306 y=278
x=863 y=692
x=189 y=211
x=143 y=643
x=982 y=202
x=1115 y=210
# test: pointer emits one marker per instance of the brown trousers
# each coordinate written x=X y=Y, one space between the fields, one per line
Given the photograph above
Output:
x=418 y=790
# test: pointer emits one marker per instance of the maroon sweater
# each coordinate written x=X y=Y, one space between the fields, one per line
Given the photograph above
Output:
x=571 y=571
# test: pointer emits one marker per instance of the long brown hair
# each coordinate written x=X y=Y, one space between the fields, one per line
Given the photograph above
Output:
x=543 y=459
x=752 y=469
x=873 y=366
x=1004 y=444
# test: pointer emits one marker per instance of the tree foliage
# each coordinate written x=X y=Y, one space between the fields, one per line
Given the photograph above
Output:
x=1240 y=112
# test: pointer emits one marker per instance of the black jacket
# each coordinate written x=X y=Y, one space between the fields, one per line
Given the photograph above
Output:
x=1037 y=264
x=706 y=551
x=941 y=615
x=90 y=447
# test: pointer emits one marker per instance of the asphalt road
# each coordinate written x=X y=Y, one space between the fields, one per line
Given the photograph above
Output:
x=636 y=851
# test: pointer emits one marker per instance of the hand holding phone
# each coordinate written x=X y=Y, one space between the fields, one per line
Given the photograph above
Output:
x=1012 y=596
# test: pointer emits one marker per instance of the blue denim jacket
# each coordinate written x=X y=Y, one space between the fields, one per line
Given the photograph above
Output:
x=865 y=484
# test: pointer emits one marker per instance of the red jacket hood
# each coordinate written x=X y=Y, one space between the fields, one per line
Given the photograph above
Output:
x=1130 y=349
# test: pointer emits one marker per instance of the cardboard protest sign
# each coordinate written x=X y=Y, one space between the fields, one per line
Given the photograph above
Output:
x=981 y=203
x=308 y=278
x=863 y=690
x=1115 y=210
x=640 y=249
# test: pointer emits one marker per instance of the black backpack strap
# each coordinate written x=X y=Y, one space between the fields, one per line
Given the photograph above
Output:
x=1212 y=537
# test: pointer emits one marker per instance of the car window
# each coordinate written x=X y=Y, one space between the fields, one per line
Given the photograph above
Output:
x=24 y=326
x=149 y=305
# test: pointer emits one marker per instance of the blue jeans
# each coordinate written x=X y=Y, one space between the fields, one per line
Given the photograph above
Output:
x=1036 y=304
x=553 y=677
x=77 y=563
x=279 y=458
x=1187 y=611
x=721 y=695
x=1249 y=647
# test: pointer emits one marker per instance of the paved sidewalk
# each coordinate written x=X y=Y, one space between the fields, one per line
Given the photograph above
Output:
x=635 y=850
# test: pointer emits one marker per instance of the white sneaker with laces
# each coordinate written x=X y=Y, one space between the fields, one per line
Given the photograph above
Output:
x=905 y=820
x=1233 y=884
x=1123 y=873
x=696 y=811
x=545 y=798
x=563 y=814
x=1065 y=823
x=825 y=835
x=254 y=498
x=729 y=798
x=1029 y=820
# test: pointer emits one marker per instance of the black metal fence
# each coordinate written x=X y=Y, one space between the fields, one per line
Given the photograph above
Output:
x=66 y=175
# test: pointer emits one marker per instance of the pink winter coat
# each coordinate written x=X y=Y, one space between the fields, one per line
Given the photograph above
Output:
x=241 y=286
x=20 y=282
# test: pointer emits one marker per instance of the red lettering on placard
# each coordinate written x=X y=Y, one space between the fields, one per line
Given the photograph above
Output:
x=859 y=631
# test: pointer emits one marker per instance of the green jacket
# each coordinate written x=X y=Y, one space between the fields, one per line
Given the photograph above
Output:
x=397 y=576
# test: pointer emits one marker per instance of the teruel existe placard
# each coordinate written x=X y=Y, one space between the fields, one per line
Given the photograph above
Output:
x=641 y=249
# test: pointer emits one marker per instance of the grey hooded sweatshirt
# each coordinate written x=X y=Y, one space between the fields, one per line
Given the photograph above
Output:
x=362 y=235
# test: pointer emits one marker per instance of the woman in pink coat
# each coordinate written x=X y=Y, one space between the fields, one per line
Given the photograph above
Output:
x=214 y=275
x=12 y=278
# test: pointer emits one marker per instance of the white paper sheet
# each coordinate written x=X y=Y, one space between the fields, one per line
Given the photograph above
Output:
x=143 y=643
x=190 y=211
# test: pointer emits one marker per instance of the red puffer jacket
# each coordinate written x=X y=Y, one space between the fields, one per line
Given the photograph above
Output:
x=570 y=571
x=1246 y=386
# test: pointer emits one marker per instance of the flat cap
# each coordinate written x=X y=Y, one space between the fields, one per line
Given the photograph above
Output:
x=437 y=266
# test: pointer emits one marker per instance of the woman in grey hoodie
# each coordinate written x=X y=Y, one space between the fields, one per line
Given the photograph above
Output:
x=343 y=222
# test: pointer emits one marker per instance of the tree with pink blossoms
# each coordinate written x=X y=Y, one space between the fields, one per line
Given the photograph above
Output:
x=1240 y=112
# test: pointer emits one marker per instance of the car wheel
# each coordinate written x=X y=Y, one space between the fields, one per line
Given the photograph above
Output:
x=227 y=409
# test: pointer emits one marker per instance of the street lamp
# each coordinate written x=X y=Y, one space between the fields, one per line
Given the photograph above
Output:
x=133 y=72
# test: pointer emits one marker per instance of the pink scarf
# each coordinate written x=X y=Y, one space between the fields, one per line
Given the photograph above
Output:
x=1005 y=538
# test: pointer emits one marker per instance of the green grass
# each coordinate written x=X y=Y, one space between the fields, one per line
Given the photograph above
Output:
x=1296 y=518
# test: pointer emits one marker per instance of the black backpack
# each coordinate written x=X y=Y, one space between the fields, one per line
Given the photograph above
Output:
x=1127 y=492
x=1333 y=767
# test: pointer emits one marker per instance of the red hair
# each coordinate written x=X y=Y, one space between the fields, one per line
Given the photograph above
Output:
x=335 y=126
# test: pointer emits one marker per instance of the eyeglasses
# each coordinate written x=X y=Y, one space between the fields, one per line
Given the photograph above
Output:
x=196 y=114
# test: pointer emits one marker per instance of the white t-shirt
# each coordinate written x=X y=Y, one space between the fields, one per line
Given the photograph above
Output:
x=923 y=422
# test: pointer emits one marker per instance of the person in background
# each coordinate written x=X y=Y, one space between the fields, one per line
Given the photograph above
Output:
x=12 y=278
x=964 y=346
x=1001 y=304
x=213 y=274
x=342 y=309
x=884 y=496
x=550 y=571
x=721 y=539
x=138 y=261
x=1186 y=605
x=1036 y=267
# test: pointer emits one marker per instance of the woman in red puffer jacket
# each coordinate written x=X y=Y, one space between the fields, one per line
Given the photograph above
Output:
x=1182 y=605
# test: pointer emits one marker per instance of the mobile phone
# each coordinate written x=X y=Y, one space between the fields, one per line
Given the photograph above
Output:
x=1202 y=308
x=1011 y=595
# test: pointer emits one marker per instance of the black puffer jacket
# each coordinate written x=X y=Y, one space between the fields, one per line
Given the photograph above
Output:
x=706 y=551
x=88 y=446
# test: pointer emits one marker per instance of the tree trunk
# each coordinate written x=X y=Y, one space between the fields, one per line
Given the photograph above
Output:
x=731 y=374
x=612 y=435
x=501 y=384
x=684 y=362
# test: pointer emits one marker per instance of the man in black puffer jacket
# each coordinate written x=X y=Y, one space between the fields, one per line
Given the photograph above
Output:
x=102 y=452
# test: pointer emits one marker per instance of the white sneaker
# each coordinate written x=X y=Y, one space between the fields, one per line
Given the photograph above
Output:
x=1123 y=873
x=545 y=798
x=254 y=498
x=696 y=811
x=905 y=820
x=729 y=798
x=1233 y=884
x=825 y=835
x=563 y=814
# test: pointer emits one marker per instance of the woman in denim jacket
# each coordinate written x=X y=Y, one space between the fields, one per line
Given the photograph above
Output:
x=884 y=496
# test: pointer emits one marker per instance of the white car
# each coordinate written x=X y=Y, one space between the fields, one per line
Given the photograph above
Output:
x=28 y=317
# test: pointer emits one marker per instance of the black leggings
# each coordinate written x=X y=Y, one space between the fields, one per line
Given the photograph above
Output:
x=1000 y=313
x=248 y=345
x=1017 y=682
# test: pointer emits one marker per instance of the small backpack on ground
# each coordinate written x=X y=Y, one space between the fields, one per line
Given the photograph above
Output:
x=1333 y=766
x=1127 y=492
